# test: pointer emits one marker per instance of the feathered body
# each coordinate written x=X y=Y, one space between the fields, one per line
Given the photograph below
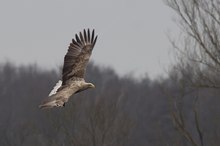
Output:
x=75 y=62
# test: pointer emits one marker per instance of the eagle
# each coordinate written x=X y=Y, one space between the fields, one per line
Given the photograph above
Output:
x=74 y=68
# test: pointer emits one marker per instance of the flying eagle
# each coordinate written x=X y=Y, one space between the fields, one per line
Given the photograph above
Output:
x=75 y=62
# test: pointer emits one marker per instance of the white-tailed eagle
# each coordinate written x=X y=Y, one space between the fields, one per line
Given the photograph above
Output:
x=75 y=62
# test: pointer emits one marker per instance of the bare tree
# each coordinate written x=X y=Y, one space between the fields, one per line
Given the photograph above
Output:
x=198 y=58
x=181 y=103
x=199 y=49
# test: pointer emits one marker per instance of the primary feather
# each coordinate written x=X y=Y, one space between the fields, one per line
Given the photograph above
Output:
x=74 y=67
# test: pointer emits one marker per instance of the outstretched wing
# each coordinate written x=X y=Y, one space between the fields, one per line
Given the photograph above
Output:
x=78 y=55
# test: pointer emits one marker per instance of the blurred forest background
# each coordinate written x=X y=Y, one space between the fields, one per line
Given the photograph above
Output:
x=179 y=110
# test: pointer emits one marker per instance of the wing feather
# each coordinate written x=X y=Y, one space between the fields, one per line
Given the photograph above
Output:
x=92 y=35
x=78 y=54
x=85 y=35
x=78 y=40
x=81 y=37
x=94 y=42
x=88 y=32
x=75 y=43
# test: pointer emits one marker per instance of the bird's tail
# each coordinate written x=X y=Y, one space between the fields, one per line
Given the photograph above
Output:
x=51 y=104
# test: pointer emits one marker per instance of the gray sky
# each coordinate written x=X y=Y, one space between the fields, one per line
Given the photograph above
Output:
x=132 y=33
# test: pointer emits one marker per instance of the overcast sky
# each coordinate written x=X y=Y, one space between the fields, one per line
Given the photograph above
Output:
x=131 y=33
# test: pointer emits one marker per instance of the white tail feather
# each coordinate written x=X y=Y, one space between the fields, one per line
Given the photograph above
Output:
x=56 y=87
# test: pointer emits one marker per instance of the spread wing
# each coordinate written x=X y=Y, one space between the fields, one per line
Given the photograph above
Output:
x=77 y=57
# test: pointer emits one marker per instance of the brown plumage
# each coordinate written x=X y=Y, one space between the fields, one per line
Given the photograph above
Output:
x=75 y=62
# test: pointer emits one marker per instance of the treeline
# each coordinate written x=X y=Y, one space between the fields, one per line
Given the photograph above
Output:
x=180 y=110
x=120 y=111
